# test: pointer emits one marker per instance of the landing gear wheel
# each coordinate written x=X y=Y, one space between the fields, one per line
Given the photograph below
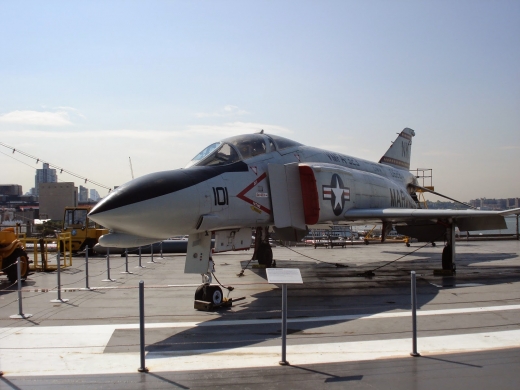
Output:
x=434 y=244
x=265 y=254
x=216 y=295
x=447 y=260
x=408 y=244
x=199 y=292
x=10 y=267
x=207 y=293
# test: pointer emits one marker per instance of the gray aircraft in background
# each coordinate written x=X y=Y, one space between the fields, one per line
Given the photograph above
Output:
x=261 y=181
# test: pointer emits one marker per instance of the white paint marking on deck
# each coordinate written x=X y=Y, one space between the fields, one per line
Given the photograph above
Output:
x=458 y=285
x=74 y=350
x=78 y=361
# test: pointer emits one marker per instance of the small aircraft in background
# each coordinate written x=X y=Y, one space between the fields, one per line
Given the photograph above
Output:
x=261 y=181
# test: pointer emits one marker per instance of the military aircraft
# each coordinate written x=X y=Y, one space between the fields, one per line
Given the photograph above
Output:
x=261 y=181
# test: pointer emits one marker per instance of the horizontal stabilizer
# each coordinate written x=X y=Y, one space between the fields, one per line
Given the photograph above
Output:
x=428 y=224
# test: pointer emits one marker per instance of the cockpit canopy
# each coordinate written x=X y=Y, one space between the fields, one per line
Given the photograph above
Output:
x=240 y=147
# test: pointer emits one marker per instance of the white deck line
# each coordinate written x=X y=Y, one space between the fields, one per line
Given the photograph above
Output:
x=71 y=350
x=188 y=325
x=34 y=361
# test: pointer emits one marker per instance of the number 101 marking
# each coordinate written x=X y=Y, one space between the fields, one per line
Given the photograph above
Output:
x=221 y=196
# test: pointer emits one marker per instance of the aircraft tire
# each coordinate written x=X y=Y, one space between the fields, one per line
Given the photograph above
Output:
x=211 y=294
x=199 y=293
x=447 y=261
x=215 y=295
x=10 y=267
x=265 y=255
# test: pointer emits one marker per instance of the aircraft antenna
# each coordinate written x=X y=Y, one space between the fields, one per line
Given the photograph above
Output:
x=131 y=169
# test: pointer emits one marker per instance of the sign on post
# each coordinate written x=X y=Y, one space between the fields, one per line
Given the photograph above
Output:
x=284 y=276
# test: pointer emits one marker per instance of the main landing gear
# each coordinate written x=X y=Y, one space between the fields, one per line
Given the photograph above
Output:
x=448 y=253
x=263 y=251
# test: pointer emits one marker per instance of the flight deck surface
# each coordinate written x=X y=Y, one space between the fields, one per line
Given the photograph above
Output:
x=344 y=329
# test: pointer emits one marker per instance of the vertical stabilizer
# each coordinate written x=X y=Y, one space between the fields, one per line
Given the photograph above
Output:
x=398 y=155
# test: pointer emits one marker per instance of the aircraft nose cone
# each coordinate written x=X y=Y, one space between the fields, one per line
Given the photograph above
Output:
x=160 y=204
x=144 y=188
x=151 y=205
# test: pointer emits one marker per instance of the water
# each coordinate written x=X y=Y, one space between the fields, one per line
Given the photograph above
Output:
x=511 y=228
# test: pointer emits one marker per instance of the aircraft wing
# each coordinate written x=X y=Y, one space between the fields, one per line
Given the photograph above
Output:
x=510 y=212
x=430 y=225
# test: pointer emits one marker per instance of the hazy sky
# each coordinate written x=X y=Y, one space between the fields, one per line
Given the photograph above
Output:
x=86 y=85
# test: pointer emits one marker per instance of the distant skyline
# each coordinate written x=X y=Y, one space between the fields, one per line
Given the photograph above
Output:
x=86 y=85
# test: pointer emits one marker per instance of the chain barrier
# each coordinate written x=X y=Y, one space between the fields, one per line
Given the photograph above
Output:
x=7 y=289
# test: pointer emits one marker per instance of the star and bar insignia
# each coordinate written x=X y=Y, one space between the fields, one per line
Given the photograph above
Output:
x=336 y=193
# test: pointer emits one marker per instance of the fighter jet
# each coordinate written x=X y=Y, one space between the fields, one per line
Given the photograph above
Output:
x=264 y=180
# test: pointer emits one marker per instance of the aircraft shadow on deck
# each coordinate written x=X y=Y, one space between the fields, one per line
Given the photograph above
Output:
x=327 y=291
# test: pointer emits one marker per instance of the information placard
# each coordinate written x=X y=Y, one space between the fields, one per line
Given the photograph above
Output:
x=284 y=276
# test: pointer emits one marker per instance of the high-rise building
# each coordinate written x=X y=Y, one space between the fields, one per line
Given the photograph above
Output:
x=11 y=189
x=94 y=195
x=45 y=175
x=83 y=194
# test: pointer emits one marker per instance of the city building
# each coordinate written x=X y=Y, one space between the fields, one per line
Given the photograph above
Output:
x=513 y=203
x=94 y=195
x=54 y=197
x=83 y=194
x=11 y=189
x=45 y=175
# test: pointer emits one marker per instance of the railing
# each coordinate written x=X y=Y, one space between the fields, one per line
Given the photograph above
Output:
x=43 y=246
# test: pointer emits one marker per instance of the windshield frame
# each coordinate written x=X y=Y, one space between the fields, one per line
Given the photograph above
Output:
x=212 y=156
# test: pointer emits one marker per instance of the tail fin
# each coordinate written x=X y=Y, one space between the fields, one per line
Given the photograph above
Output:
x=398 y=155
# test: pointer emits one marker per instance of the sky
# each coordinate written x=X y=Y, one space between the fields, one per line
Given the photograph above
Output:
x=86 y=85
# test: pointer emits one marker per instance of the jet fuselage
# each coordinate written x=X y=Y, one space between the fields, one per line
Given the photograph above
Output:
x=206 y=197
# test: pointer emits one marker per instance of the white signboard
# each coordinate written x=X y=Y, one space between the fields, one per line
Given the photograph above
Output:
x=284 y=276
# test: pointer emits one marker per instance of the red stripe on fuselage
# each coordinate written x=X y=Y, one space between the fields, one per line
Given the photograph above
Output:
x=311 y=201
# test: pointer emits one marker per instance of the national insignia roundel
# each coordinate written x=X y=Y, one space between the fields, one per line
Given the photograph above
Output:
x=337 y=193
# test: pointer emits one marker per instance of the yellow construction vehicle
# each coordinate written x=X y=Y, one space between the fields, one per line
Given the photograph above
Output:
x=83 y=231
x=10 y=250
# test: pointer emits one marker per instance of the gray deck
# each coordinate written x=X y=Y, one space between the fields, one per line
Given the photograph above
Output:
x=340 y=323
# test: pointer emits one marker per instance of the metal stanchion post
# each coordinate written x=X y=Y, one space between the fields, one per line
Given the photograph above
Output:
x=126 y=263
x=517 y=231
x=151 y=251
x=142 y=368
x=160 y=246
x=86 y=269
x=140 y=266
x=284 y=361
x=58 y=263
x=108 y=279
x=414 y=317
x=20 y=308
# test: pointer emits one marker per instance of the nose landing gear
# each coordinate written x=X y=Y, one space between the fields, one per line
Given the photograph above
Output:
x=208 y=296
